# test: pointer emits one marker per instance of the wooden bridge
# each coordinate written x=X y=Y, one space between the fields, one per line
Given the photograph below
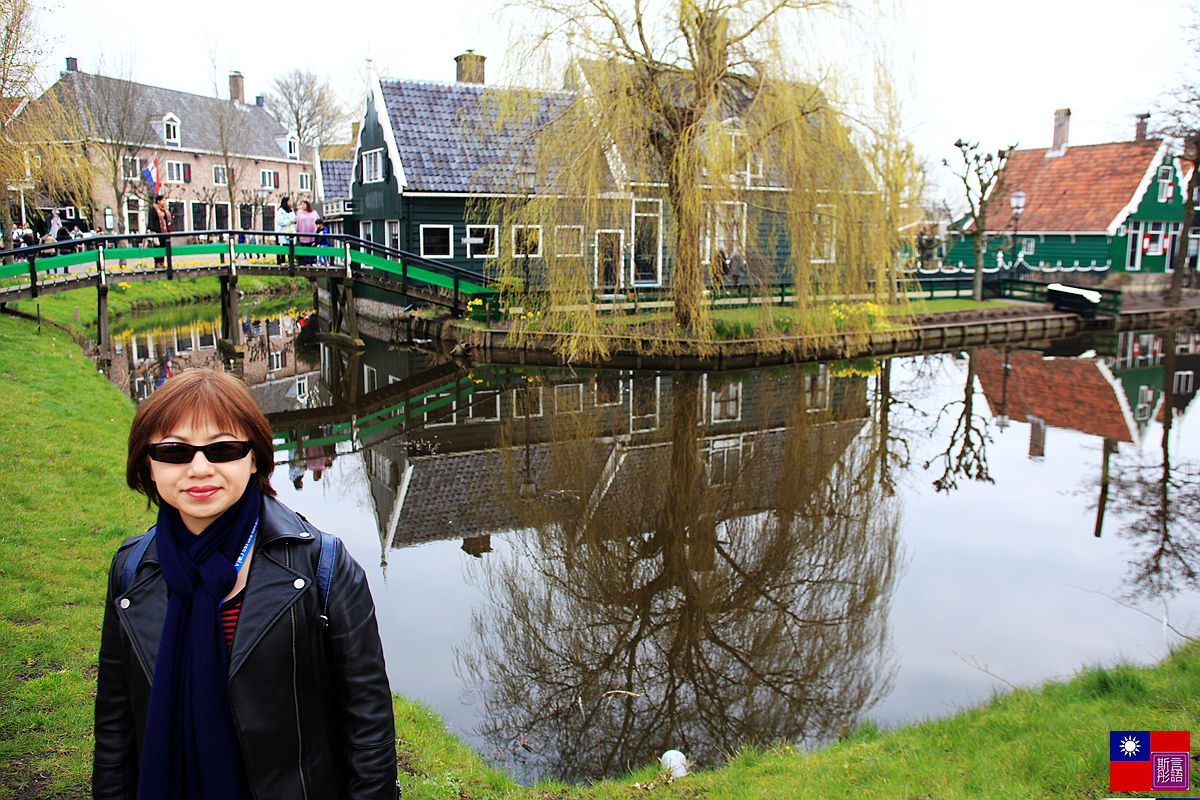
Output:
x=345 y=262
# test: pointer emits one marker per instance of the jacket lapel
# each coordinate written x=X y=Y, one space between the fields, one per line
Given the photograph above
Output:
x=271 y=590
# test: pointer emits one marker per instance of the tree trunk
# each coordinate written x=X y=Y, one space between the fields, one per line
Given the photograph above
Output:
x=980 y=241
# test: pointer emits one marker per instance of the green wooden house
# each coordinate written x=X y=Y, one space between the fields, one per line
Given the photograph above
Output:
x=1099 y=209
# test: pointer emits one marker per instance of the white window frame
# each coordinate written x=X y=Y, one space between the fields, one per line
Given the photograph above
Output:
x=735 y=398
x=720 y=451
x=1157 y=232
x=391 y=230
x=495 y=250
x=220 y=175
x=304 y=181
x=266 y=178
x=293 y=148
x=370 y=378
x=228 y=214
x=538 y=228
x=131 y=168
x=620 y=256
x=446 y=421
x=1133 y=250
x=372 y=166
x=173 y=167
x=366 y=230
x=274 y=360
x=171 y=126
x=824 y=246
x=191 y=214
x=1027 y=246
x=1166 y=179
x=620 y=394
x=572 y=394
x=816 y=390
x=559 y=239
x=449 y=240
x=541 y=409
x=1184 y=382
x=658 y=255
x=640 y=423
x=715 y=239
x=481 y=401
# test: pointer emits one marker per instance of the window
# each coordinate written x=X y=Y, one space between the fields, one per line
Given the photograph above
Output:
x=221 y=216
x=568 y=398
x=1166 y=184
x=568 y=240
x=306 y=181
x=724 y=460
x=220 y=175
x=199 y=216
x=133 y=210
x=484 y=407
x=736 y=158
x=608 y=392
x=392 y=226
x=1185 y=382
x=482 y=242
x=1027 y=246
x=268 y=178
x=177 y=172
x=727 y=403
x=726 y=229
x=824 y=235
x=816 y=390
x=437 y=241
x=527 y=240
x=131 y=168
x=442 y=410
x=364 y=230
x=1152 y=240
x=1133 y=259
x=246 y=216
x=171 y=130
x=370 y=379
x=372 y=166
x=175 y=208
x=278 y=360
x=527 y=401
x=293 y=148
x=643 y=403
x=268 y=219
x=647 y=226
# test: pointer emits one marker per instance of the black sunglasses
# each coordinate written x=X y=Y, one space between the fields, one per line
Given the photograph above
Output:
x=180 y=453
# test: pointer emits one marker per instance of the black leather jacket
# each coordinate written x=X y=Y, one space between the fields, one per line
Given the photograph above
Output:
x=312 y=710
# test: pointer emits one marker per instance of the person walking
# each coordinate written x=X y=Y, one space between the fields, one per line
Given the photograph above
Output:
x=158 y=220
x=306 y=223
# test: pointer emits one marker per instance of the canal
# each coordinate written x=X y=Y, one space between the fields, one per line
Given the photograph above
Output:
x=581 y=569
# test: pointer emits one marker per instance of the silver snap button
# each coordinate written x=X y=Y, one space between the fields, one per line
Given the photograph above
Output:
x=299 y=584
x=305 y=535
x=124 y=602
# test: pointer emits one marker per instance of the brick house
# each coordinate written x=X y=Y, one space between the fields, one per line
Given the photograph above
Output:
x=222 y=163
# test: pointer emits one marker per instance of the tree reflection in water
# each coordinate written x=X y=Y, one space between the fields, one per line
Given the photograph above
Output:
x=667 y=595
x=1159 y=504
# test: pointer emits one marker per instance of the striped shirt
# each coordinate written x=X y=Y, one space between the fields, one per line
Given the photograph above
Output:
x=229 y=615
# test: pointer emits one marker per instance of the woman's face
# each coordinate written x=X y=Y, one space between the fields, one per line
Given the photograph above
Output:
x=200 y=490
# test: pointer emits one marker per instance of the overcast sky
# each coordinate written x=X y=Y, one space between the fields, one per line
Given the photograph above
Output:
x=983 y=71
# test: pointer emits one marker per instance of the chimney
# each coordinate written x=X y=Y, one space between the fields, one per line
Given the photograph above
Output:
x=470 y=67
x=1062 y=126
x=259 y=100
x=72 y=64
x=1139 y=130
x=237 y=87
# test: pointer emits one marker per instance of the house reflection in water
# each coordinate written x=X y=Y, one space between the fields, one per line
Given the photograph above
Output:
x=691 y=561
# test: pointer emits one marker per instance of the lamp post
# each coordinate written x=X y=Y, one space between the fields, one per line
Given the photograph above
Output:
x=1017 y=201
x=525 y=179
x=262 y=193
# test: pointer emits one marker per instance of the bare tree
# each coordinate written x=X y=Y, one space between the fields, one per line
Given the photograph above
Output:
x=982 y=177
x=970 y=436
x=231 y=130
x=39 y=139
x=307 y=106
x=1181 y=111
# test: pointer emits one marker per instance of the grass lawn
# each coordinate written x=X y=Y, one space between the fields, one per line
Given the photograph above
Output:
x=65 y=508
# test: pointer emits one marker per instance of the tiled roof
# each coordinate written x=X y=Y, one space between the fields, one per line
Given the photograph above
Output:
x=451 y=137
x=335 y=177
x=96 y=97
x=1082 y=190
x=1074 y=394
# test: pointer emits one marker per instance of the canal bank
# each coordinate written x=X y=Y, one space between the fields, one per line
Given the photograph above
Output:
x=65 y=509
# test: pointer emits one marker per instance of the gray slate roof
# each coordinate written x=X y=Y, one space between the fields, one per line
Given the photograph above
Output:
x=450 y=137
x=336 y=175
x=132 y=112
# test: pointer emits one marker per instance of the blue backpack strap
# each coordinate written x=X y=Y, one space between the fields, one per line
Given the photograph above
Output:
x=329 y=546
x=135 y=558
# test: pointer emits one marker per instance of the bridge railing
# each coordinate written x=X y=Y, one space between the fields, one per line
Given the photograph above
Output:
x=227 y=246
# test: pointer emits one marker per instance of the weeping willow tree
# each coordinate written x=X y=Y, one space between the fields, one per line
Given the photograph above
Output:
x=683 y=152
x=40 y=153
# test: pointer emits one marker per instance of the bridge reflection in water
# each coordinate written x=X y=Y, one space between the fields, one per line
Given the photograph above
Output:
x=703 y=561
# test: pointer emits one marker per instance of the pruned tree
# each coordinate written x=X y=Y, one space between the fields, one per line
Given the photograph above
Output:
x=1180 y=110
x=691 y=120
x=231 y=129
x=39 y=139
x=115 y=117
x=982 y=178
x=307 y=105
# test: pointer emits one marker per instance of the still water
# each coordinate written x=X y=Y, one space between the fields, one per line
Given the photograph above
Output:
x=581 y=569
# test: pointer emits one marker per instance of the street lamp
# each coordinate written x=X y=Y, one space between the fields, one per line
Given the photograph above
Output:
x=1017 y=201
x=525 y=180
x=262 y=193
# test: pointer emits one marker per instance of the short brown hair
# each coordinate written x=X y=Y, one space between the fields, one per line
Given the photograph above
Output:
x=199 y=394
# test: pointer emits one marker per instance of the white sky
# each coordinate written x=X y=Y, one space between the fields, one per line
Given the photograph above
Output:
x=982 y=71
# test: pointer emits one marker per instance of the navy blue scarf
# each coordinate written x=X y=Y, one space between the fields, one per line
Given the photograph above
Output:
x=189 y=751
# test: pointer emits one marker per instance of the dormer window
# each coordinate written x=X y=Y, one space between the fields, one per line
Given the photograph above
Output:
x=1166 y=184
x=293 y=148
x=171 y=130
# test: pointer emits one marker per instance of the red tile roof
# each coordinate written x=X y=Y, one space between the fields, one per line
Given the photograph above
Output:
x=1082 y=190
x=1074 y=394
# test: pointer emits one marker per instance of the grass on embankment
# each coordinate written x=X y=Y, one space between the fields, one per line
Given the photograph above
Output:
x=77 y=309
x=65 y=508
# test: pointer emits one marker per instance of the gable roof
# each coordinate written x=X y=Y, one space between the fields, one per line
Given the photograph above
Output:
x=1070 y=393
x=336 y=175
x=1088 y=188
x=89 y=97
x=453 y=138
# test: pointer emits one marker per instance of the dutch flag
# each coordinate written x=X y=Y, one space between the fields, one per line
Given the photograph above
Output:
x=150 y=174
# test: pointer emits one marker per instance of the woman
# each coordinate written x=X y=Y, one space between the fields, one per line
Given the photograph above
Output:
x=285 y=222
x=306 y=223
x=261 y=687
x=158 y=220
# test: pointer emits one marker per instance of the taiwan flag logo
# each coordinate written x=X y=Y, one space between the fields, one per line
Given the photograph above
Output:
x=1149 y=761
